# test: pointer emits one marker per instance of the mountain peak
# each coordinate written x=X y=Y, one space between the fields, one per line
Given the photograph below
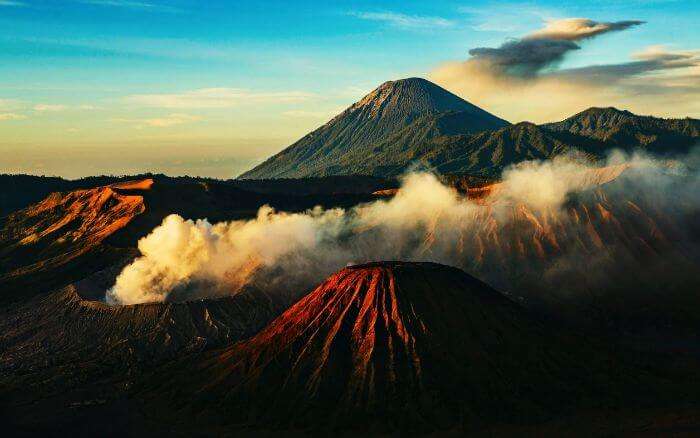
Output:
x=373 y=339
x=340 y=145
x=604 y=110
x=414 y=80
x=626 y=130
x=412 y=96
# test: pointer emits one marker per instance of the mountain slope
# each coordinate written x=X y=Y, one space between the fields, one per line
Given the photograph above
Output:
x=489 y=152
x=70 y=235
x=485 y=153
x=622 y=129
x=356 y=131
x=464 y=141
x=67 y=362
x=395 y=345
x=49 y=242
x=450 y=153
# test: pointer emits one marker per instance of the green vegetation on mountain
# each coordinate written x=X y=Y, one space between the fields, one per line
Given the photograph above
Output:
x=414 y=123
x=416 y=107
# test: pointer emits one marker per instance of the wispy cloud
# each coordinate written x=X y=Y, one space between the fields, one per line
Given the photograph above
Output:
x=144 y=6
x=57 y=107
x=46 y=107
x=505 y=17
x=652 y=59
x=216 y=98
x=172 y=120
x=530 y=55
x=161 y=122
x=405 y=21
x=522 y=78
x=12 y=116
x=10 y=104
x=11 y=3
x=311 y=114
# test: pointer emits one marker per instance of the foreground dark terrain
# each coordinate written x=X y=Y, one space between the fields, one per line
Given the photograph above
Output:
x=579 y=320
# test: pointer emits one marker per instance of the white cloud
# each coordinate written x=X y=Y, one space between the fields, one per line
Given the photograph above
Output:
x=510 y=17
x=126 y=4
x=45 y=107
x=161 y=122
x=521 y=79
x=171 y=120
x=55 y=107
x=307 y=114
x=405 y=21
x=10 y=104
x=12 y=116
x=576 y=29
x=216 y=98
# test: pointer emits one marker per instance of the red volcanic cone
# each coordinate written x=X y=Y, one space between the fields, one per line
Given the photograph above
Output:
x=393 y=345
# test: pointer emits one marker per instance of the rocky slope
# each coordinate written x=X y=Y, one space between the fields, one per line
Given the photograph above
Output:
x=414 y=123
x=70 y=235
x=487 y=153
x=624 y=130
x=64 y=356
x=627 y=130
x=333 y=148
x=641 y=247
x=393 y=346
x=45 y=244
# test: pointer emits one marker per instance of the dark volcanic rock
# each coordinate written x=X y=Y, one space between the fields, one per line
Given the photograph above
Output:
x=63 y=356
x=395 y=346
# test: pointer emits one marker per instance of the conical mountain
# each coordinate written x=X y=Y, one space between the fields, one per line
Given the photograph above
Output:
x=395 y=346
x=336 y=147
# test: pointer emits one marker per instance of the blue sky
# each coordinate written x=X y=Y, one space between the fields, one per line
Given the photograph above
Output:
x=91 y=86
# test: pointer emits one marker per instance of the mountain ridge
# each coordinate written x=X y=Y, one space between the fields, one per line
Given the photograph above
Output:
x=622 y=129
x=415 y=123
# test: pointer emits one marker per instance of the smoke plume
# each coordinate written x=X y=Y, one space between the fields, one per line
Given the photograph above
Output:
x=549 y=230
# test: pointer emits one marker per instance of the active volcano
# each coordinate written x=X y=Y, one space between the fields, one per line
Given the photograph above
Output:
x=395 y=345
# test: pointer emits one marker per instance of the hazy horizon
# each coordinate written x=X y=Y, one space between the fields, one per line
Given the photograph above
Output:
x=119 y=87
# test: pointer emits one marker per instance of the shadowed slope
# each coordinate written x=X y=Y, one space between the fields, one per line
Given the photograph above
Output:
x=402 y=124
x=393 y=345
x=68 y=363
x=337 y=147
x=625 y=130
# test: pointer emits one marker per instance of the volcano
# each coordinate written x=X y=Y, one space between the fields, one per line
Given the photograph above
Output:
x=413 y=122
x=414 y=109
x=396 y=345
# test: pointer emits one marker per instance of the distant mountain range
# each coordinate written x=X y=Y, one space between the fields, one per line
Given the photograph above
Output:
x=578 y=318
x=413 y=122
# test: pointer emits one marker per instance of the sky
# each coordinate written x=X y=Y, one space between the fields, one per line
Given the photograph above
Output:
x=211 y=88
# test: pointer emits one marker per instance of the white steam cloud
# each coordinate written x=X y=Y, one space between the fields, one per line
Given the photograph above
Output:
x=537 y=223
